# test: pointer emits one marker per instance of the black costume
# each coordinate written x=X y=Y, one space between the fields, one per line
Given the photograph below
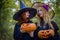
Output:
x=56 y=36
x=21 y=36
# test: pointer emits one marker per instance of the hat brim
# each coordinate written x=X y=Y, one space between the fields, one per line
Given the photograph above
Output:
x=32 y=12
x=51 y=12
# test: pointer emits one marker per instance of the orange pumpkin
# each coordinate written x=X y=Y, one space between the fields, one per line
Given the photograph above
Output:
x=51 y=32
x=28 y=27
x=45 y=33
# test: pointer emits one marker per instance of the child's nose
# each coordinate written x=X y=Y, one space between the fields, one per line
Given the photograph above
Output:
x=28 y=14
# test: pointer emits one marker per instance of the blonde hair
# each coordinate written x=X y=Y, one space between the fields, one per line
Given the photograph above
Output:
x=46 y=19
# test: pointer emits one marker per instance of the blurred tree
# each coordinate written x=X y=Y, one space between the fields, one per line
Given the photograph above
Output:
x=6 y=14
x=57 y=8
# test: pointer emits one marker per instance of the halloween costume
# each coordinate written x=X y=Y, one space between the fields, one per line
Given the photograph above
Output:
x=21 y=36
x=55 y=37
x=17 y=34
x=43 y=29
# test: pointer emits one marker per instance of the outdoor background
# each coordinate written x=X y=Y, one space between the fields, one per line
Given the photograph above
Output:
x=9 y=7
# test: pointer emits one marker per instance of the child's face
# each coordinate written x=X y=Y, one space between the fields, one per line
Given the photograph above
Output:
x=25 y=15
x=41 y=11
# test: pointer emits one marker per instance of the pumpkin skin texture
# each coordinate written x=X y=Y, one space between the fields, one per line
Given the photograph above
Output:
x=27 y=27
x=45 y=33
x=51 y=32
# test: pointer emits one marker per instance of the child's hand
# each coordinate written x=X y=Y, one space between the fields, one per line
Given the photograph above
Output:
x=22 y=31
x=31 y=33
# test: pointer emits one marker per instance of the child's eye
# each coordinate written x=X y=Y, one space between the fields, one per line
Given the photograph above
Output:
x=39 y=10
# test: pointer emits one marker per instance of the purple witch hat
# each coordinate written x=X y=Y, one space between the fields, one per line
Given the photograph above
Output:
x=45 y=6
x=23 y=8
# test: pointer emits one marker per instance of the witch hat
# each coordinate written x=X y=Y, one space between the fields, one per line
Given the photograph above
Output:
x=47 y=7
x=23 y=8
x=22 y=5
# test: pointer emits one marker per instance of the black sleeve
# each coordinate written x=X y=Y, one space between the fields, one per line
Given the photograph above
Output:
x=54 y=25
x=56 y=36
x=17 y=33
x=36 y=33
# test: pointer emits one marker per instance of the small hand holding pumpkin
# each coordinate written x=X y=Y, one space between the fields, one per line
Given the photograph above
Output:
x=51 y=32
x=27 y=27
x=31 y=33
x=22 y=31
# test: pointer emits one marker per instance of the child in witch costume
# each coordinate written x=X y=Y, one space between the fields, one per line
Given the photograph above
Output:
x=46 y=29
x=23 y=16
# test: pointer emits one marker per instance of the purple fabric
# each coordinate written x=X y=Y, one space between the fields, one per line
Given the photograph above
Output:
x=45 y=6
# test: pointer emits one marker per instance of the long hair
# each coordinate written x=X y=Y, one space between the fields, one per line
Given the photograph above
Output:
x=46 y=19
